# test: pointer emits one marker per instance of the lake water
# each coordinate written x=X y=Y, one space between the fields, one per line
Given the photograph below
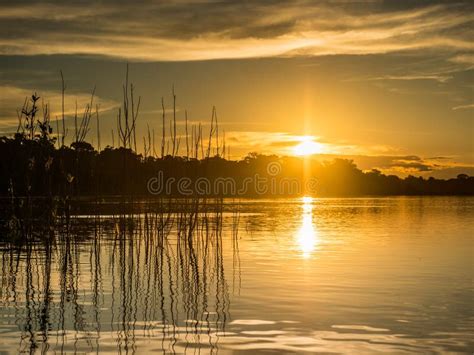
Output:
x=360 y=275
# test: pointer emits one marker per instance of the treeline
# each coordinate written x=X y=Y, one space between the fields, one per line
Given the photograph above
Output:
x=36 y=161
x=36 y=167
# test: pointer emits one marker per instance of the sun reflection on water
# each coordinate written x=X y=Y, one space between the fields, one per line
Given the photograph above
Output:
x=307 y=234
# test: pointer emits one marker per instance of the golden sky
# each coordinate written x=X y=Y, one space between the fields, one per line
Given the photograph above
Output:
x=386 y=83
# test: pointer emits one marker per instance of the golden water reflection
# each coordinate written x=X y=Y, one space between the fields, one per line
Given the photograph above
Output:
x=373 y=275
x=307 y=237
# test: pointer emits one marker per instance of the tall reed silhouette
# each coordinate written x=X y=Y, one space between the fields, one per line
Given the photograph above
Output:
x=158 y=272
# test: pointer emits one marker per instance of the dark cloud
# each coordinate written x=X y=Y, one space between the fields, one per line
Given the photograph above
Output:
x=412 y=166
x=150 y=30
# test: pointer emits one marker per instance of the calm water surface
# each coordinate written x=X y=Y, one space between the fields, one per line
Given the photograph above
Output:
x=362 y=275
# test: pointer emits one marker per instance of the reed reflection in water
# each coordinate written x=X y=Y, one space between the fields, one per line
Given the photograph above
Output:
x=109 y=283
x=360 y=275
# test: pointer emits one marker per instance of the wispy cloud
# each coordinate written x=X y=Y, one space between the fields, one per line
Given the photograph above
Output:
x=439 y=67
x=12 y=98
x=463 y=107
x=197 y=30
x=440 y=77
x=464 y=59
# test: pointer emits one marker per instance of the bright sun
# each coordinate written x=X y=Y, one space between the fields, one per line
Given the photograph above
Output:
x=308 y=147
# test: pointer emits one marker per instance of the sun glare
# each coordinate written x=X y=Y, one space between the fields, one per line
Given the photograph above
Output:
x=307 y=234
x=308 y=147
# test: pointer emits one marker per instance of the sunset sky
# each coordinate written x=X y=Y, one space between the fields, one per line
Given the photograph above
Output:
x=386 y=83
